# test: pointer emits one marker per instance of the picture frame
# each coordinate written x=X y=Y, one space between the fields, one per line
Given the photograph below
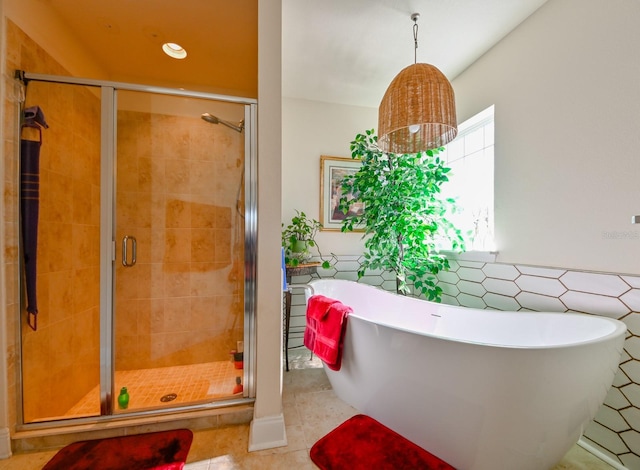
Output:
x=332 y=171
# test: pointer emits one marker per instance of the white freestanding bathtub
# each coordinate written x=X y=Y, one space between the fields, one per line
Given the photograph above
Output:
x=481 y=389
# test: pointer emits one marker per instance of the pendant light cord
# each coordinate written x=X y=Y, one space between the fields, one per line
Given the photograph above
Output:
x=415 y=40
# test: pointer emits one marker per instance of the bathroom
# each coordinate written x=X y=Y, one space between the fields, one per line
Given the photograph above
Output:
x=552 y=207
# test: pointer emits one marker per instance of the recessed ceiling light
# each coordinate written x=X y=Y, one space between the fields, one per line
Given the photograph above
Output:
x=174 y=50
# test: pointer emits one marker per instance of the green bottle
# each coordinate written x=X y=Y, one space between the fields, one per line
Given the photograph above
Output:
x=123 y=399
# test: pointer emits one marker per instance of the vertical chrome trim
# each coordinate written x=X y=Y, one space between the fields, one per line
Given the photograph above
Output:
x=17 y=272
x=107 y=239
x=251 y=245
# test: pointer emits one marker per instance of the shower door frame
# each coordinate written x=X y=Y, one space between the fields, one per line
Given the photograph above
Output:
x=108 y=162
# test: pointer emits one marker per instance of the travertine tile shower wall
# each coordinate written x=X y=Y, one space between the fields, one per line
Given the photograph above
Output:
x=177 y=183
x=616 y=429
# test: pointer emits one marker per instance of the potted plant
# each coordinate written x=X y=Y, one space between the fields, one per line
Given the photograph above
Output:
x=298 y=237
x=404 y=216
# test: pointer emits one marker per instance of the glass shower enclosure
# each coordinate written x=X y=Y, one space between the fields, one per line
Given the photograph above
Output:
x=146 y=252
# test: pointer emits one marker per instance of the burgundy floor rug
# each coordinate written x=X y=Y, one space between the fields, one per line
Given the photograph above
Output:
x=164 y=450
x=362 y=442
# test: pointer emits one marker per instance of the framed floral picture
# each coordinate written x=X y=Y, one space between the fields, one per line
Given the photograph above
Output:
x=332 y=171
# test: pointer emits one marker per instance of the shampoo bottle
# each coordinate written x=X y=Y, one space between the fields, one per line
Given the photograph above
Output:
x=123 y=399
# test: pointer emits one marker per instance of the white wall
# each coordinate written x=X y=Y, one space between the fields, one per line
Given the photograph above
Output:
x=311 y=129
x=567 y=104
x=268 y=406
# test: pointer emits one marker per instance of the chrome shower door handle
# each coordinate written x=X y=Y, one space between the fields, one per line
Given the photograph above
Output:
x=134 y=244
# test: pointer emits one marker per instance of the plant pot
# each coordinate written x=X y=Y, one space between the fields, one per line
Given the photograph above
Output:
x=300 y=251
x=300 y=246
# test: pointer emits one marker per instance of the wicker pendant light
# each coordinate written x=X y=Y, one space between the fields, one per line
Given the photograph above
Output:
x=418 y=110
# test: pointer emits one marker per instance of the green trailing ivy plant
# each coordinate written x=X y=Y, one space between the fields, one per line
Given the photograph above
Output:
x=404 y=214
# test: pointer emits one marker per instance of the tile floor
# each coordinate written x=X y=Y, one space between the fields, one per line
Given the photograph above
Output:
x=146 y=387
x=311 y=410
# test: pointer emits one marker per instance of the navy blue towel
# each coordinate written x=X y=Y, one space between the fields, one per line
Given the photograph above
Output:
x=29 y=211
x=33 y=117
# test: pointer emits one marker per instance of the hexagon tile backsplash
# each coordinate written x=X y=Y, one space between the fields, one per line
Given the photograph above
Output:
x=615 y=431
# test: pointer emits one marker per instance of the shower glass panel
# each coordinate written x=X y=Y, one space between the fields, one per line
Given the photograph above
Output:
x=179 y=252
x=60 y=361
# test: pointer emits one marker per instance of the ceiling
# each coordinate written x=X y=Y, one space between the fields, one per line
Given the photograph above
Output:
x=125 y=38
x=339 y=51
x=348 y=51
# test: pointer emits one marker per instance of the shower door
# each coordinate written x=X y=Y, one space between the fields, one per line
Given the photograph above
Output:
x=179 y=249
x=60 y=358
x=146 y=258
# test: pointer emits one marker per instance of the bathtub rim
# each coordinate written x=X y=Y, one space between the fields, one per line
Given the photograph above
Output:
x=619 y=327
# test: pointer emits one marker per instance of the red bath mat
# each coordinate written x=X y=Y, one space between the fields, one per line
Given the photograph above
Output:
x=164 y=450
x=362 y=442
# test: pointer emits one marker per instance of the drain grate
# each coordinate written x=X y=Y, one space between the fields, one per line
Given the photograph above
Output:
x=169 y=397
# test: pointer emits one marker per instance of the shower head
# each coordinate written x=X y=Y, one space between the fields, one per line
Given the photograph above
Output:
x=210 y=118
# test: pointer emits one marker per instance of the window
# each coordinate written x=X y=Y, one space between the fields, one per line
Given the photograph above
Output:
x=470 y=157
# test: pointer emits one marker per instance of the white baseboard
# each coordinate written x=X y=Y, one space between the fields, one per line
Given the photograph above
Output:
x=605 y=458
x=267 y=433
x=5 y=443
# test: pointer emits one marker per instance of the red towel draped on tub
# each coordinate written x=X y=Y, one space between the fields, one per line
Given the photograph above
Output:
x=325 y=329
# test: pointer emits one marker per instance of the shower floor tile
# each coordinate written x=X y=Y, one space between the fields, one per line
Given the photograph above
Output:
x=190 y=384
